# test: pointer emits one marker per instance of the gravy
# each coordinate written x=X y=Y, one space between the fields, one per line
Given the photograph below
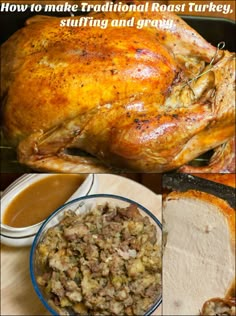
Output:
x=39 y=200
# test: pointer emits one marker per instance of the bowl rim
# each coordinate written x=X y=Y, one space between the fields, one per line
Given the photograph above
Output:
x=17 y=237
x=9 y=231
x=155 y=305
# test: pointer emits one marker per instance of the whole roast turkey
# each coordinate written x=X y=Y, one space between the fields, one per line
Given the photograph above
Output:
x=143 y=100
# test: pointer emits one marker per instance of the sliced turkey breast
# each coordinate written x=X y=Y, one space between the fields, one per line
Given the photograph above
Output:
x=199 y=255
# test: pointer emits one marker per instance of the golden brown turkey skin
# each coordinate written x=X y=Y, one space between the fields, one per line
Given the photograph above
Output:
x=119 y=94
x=61 y=73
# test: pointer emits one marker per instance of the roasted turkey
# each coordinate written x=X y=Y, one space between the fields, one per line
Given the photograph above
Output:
x=199 y=255
x=142 y=100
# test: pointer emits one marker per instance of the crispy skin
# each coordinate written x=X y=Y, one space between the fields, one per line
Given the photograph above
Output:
x=226 y=179
x=119 y=94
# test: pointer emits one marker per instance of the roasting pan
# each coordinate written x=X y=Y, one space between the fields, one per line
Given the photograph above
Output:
x=184 y=182
x=214 y=30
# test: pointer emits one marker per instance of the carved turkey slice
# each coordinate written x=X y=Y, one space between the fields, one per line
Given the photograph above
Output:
x=199 y=254
x=145 y=100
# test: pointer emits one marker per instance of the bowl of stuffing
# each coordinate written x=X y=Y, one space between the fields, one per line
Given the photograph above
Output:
x=98 y=255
